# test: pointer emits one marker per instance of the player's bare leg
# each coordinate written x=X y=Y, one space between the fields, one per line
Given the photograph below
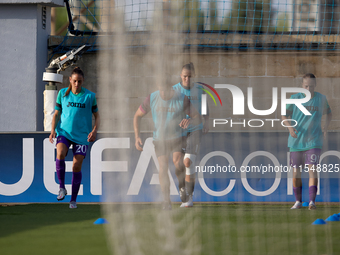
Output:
x=297 y=188
x=177 y=159
x=313 y=184
x=164 y=181
x=189 y=178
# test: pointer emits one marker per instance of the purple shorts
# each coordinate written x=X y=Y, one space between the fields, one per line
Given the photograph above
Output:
x=77 y=149
x=300 y=158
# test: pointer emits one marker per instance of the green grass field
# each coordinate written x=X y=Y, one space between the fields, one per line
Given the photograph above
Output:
x=145 y=229
x=51 y=229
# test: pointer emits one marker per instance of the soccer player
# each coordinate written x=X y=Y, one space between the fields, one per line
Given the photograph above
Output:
x=72 y=125
x=305 y=140
x=194 y=93
x=169 y=109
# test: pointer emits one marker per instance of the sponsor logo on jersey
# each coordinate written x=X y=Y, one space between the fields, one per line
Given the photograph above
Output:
x=312 y=108
x=78 y=105
x=193 y=97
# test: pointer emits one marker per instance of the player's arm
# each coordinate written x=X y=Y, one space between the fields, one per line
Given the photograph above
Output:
x=136 y=127
x=190 y=110
x=289 y=112
x=292 y=131
x=329 y=116
x=55 y=120
x=143 y=109
x=56 y=117
x=206 y=122
x=92 y=136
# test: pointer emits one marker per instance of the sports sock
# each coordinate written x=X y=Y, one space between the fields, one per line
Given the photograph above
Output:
x=60 y=167
x=76 y=181
x=298 y=193
x=190 y=187
x=181 y=178
x=312 y=193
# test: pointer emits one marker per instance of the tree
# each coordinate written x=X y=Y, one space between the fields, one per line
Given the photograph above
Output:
x=193 y=16
x=249 y=15
x=282 y=24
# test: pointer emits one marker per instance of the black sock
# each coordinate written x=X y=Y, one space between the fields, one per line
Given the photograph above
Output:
x=190 y=187
x=181 y=178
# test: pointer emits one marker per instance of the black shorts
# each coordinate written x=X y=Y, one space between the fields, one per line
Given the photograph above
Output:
x=193 y=142
x=167 y=147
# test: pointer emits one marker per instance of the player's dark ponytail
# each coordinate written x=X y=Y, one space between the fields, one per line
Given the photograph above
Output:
x=76 y=70
x=189 y=67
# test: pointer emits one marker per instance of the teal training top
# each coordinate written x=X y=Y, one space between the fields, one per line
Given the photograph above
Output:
x=308 y=126
x=76 y=115
x=195 y=96
x=167 y=114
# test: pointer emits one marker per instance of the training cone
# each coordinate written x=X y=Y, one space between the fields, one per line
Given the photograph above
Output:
x=319 y=222
x=100 y=221
x=305 y=204
x=332 y=218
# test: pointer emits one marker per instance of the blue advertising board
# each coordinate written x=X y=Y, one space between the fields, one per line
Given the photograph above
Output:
x=240 y=167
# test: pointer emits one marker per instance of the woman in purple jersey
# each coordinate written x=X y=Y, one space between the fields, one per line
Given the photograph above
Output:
x=84 y=110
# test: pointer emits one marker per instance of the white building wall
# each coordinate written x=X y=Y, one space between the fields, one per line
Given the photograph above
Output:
x=23 y=51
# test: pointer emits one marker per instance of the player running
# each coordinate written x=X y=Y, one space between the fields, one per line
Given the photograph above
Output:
x=194 y=93
x=72 y=124
x=305 y=140
x=169 y=109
